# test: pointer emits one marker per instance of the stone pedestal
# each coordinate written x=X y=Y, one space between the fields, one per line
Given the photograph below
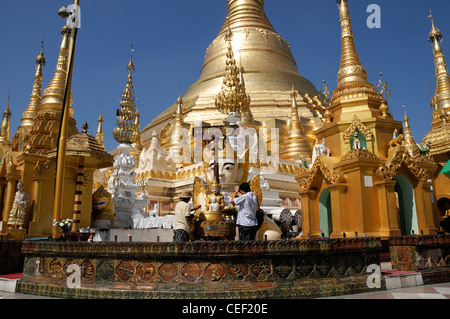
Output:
x=17 y=234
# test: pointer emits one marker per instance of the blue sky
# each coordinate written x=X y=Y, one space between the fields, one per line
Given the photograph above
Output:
x=171 y=38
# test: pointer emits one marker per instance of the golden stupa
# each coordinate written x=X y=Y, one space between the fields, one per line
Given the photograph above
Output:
x=372 y=180
x=343 y=161
x=269 y=84
x=437 y=141
x=248 y=69
x=29 y=159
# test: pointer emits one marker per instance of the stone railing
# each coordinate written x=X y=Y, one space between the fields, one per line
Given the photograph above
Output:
x=203 y=269
x=429 y=254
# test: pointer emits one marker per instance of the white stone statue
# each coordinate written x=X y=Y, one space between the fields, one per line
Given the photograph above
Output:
x=320 y=150
x=17 y=214
x=214 y=206
x=356 y=142
x=155 y=158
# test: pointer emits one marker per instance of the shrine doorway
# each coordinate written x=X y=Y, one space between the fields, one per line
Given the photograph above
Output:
x=325 y=213
x=406 y=205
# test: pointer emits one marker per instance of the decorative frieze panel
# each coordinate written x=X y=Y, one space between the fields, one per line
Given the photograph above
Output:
x=203 y=269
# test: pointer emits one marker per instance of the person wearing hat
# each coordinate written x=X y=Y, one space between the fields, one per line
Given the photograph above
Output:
x=183 y=216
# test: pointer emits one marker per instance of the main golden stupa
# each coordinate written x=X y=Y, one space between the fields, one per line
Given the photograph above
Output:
x=336 y=162
x=250 y=61
x=268 y=69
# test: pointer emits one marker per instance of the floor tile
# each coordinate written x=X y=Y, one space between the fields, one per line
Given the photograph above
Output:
x=404 y=295
x=443 y=290
x=431 y=296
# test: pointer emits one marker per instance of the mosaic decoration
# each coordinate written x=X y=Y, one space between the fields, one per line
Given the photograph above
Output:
x=225 y=269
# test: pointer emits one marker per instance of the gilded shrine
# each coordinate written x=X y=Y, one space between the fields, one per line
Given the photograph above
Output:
x=334 y=173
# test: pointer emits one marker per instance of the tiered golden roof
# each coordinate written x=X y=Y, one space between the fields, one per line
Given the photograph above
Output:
x=126 y=115
x=46 y=124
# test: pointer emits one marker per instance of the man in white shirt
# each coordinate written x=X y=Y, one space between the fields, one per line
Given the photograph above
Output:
x=248 y=204
x=183 y=217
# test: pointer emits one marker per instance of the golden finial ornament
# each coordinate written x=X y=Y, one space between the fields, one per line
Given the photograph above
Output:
x=124 y=133
x=410 y=143
x=99 y=135
x=232 y=98
x=385 y=95
x=4 y=134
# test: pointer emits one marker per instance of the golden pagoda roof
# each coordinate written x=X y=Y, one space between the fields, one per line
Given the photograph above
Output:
x=86 y=145
x=255 y=42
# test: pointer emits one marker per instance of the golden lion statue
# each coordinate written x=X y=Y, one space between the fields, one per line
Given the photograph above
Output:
x=102 y=204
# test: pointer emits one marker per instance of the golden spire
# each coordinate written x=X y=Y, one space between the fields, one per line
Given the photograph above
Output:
x=126 y=115
x=442 y=95
x=36 y=98
x=53 y=97
x=4 y=134
x=296 y=146
x=351 y=72
x=179 y=114
x=246 y=13
x=99 y=136
x=232 y=97
x=410 y=143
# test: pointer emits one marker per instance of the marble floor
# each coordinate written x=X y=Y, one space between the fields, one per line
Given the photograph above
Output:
x=436 y=291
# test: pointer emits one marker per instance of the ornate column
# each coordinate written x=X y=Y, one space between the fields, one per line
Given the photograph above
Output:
x=424 y=207
x=40 y=171
x=310 y=214
x=388 y=208
x=338 y=193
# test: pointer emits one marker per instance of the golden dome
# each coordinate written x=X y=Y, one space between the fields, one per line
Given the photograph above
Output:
x=265 y=55
x=270 y=70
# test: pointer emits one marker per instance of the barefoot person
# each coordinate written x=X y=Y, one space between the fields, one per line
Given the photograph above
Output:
x=183 y=216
